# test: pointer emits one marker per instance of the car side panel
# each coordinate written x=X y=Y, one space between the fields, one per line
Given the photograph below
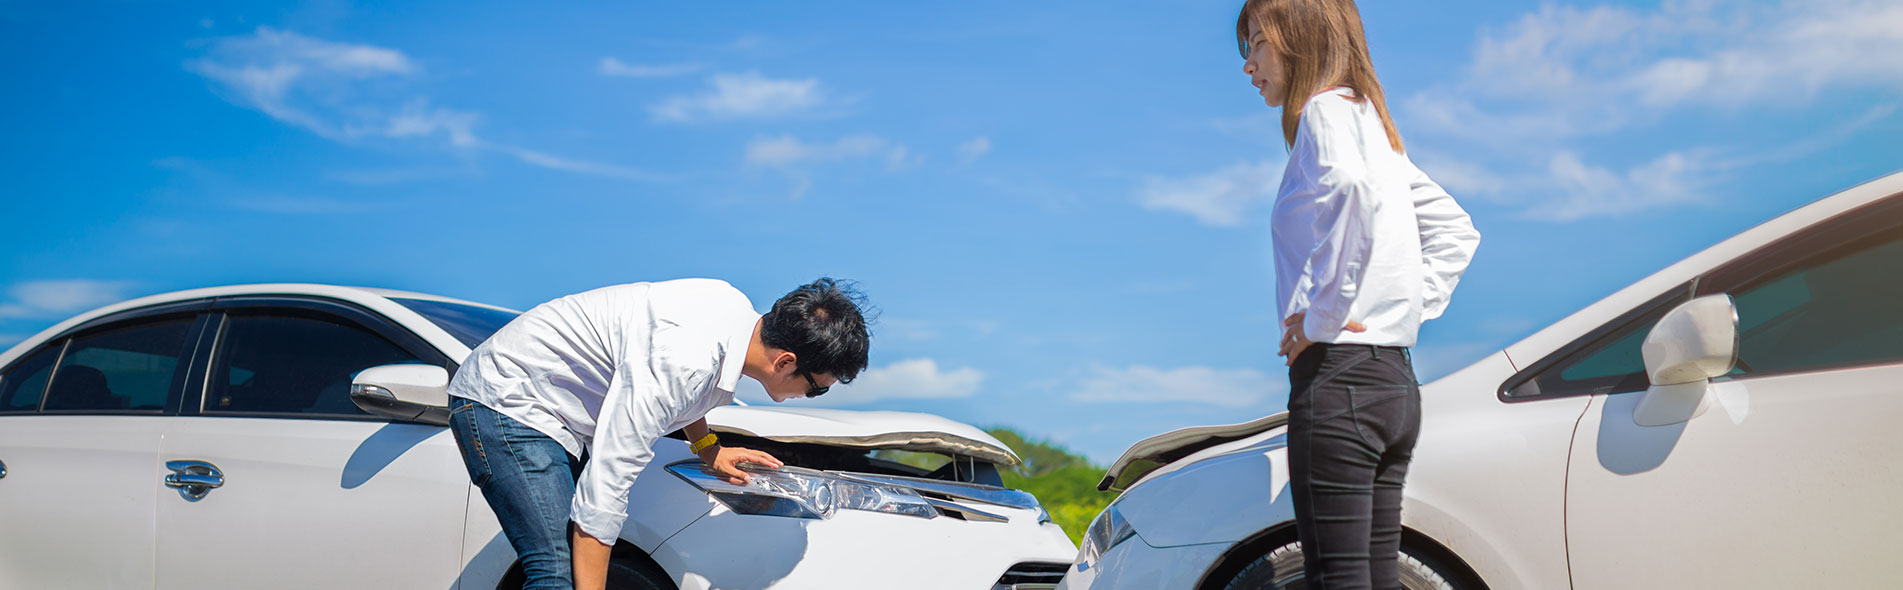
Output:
x=77 y=502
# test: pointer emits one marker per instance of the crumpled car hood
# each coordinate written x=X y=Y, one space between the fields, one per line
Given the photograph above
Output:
x=1154 y=453
x=907 y=431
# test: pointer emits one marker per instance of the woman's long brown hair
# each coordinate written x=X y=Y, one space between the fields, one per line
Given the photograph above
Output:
x=1322 y=46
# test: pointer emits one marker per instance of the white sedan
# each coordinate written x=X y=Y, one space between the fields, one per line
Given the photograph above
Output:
x=291 y=436
x=1729 y=422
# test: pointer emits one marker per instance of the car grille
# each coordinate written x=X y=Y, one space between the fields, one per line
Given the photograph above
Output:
x=1032 y=575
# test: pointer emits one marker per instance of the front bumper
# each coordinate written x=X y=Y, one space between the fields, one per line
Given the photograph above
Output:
x=1135 y=565
x=853 y=549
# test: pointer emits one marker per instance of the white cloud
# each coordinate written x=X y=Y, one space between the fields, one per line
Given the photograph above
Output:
x=971 y=150
x=919 y=378
x=1229 y=388
x=737 y=96
x=792 y=156
x=613 y=67
x=340 y=91
x=787 y=150
x=36 y=299
x=1220 y=198
x=1540 y=85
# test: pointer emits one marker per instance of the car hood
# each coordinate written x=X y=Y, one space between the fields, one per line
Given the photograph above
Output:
x=906 y=431
x=1154 y=453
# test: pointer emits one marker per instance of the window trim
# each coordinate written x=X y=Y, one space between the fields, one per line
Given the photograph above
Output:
x=61 y=342
x=343 y=312
x=1672 y=297
x=1870 y=225
x=194 y=332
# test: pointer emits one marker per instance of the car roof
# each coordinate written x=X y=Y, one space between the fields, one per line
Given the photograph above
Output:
x=378 y=300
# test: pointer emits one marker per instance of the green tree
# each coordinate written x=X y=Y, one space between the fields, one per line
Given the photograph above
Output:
x=1064 y=482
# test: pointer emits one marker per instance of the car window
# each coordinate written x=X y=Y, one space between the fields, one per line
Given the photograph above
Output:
x=133 y=368
x=1840 y=308
x=294 y=364
x=468 y=323
x=1608 y=360
x=22 y=386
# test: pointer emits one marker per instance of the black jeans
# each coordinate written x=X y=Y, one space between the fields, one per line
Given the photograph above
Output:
x=1354 y=413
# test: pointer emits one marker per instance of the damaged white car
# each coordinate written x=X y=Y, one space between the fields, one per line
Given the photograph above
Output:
x=1728 y=422
x=292 y=435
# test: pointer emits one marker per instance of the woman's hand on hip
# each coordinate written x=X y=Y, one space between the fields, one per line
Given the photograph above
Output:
x=726 y=461
x=1294 y=341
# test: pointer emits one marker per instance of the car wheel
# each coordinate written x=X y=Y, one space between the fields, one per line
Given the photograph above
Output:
x=637 y=574
x=624 y=573
x=1281 y=569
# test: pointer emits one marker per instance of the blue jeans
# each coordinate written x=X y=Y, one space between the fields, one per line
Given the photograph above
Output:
x=528 y=480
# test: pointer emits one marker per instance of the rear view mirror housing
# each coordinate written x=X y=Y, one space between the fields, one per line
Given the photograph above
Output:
x=1693 y=343
x=408 y=393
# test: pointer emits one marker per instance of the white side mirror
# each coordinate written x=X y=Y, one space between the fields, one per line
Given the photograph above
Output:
x=1693 y=343
x=411 y=392
x=1696 y=341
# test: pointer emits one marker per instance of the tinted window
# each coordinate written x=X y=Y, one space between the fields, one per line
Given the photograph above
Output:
x=1841 y=308
x=294 y=364
x=22 y=387
x=123 y=369
x=469 y=324
x=1608 y=361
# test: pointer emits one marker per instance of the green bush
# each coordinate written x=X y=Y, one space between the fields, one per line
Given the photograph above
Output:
x=1065 y=483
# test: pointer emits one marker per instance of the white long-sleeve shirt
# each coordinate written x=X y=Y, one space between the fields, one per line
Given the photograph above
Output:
x=612 y=371
x=1360 y=233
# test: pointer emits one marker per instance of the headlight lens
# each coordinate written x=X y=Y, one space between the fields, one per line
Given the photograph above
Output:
x=802 y=493
x=1109 y=530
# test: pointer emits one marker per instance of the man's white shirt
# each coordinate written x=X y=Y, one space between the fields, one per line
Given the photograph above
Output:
x=612 y=371
x=1360 y=233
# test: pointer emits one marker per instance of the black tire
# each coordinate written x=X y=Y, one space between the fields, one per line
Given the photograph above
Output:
x=1281 y=569
x=625 y=572
x=628 y=573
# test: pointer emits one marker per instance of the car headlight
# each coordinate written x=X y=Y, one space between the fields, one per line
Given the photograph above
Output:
x=1108 y=530
x=802 y=493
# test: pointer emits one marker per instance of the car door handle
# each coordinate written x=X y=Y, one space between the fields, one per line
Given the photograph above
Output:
x=3 y=469
x=193 y=478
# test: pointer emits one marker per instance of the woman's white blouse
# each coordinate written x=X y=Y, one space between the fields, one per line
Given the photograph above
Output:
x=1360 y=233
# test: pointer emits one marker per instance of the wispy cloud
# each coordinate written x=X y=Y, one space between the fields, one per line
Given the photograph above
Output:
x=972 y=150
x=1229 y=388
x=341 y=91
x=1222 y=198
x=919 y=378
x=792 y=156
x=1540 y=86
x=743 y=96
x=613 y=67
x=55 y=298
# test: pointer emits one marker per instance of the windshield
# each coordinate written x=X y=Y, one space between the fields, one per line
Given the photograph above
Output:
x=468 y=323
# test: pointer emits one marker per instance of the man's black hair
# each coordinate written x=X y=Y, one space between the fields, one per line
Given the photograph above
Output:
x=822 y=324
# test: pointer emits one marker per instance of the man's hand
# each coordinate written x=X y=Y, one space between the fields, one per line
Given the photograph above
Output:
x=1294 y=341
x=726 y=462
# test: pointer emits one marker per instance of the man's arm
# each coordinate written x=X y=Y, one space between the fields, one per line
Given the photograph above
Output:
x=589 y=556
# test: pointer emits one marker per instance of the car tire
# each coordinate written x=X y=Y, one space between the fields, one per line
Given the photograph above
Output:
x=637 y=574
x=1281 y=569
x=625 y=572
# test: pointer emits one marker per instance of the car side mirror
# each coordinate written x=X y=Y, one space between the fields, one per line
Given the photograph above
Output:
x=408 y=392
x=1693 y=343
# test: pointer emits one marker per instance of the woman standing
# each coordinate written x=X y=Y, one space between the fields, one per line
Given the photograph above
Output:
x=1366 y=248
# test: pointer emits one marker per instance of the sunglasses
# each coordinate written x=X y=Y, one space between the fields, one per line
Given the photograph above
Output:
x=813 y=389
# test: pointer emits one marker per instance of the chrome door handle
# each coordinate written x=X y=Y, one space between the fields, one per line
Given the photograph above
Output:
x=193 y=478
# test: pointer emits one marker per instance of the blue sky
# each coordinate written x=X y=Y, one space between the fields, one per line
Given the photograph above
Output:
x=1060 y=208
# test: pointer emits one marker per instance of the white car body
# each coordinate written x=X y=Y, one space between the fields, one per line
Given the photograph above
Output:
x=344 y=500
x=1754 y=479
